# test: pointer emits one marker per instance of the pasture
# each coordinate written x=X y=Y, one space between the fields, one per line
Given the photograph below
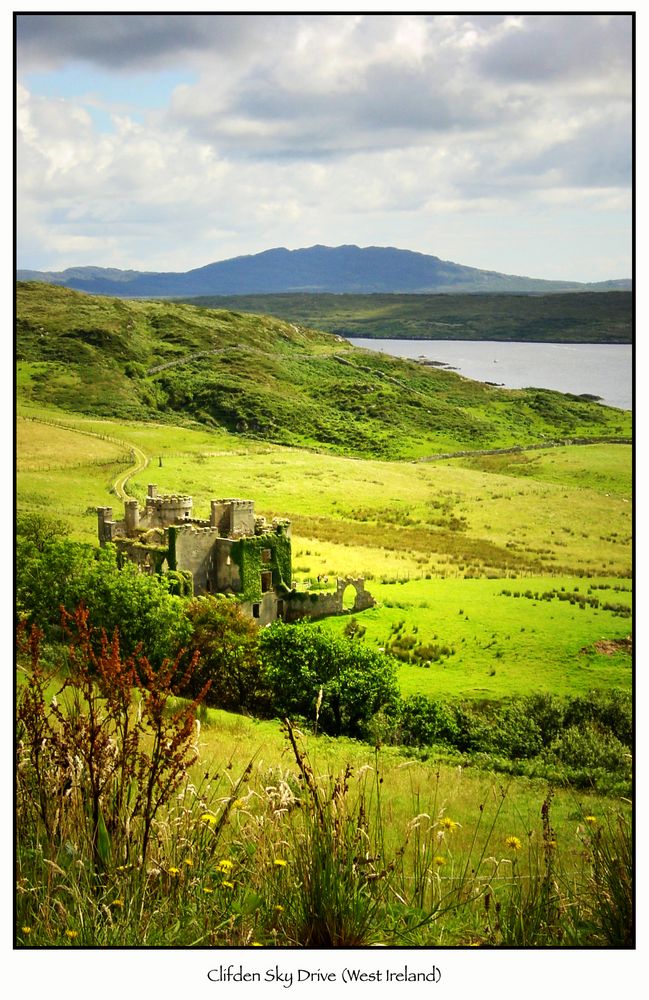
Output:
x=514 y=566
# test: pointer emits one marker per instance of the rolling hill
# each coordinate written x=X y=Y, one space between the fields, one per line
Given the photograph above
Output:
x=272 y=380
x=345 y=269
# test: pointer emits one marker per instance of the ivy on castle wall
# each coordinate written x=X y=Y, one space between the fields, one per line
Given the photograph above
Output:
x=247 y=554
x=172 y=558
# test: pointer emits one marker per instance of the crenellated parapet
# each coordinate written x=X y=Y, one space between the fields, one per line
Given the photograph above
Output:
x=233 y=552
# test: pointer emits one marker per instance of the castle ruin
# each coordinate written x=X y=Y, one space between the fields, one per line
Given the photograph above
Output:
x=234 y=552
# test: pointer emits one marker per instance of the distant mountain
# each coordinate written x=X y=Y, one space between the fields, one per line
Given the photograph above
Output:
x=346 y=269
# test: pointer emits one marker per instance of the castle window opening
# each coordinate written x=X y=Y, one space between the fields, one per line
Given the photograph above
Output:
x=266 y=582
x=266 y=555
x=255 y=610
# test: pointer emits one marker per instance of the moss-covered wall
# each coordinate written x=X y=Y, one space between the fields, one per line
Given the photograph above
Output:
x=247 y=553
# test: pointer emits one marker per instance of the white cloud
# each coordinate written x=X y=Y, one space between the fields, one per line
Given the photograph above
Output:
x=382 y=129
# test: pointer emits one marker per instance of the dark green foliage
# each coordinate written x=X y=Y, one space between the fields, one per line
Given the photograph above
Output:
x=575 y=317
x=606 y=710
x=587 y=748
x=583 y=741
x=227 y=642
x=64 y=574
x=423 y=722
x=334 y=683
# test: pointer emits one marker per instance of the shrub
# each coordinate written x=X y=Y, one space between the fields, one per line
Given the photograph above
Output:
x=587 y=747
x=423 y=722
x=90 y=772
x=62 y=575
x=337 y=683
x=227 y=643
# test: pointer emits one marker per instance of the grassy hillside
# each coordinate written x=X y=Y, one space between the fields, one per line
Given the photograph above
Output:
x=267 y=379
x=571 y=318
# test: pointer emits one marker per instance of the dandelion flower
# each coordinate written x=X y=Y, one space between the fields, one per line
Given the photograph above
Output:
x=224 y=866
x=209 y=819
x=72 y=934
x=173 y=871
x=448 y=824
x=439 y=860
x=590 y=819
x=280 y=862
x=228 y=885
x=279 y=908
x=256 y=944
x=189 y=862
x=118 y=902
x=26 y=930
x=207 y=889
x=513 y=843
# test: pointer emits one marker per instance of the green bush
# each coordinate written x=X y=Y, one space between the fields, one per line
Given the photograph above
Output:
x=61 y=575
x=337 y=684
x=227 y=642
x=423 y=722
x=587 y=747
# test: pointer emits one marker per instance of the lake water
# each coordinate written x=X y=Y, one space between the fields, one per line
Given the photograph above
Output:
x=603 y=370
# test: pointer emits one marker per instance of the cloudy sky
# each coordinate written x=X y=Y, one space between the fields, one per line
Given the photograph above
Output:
x=166 y=142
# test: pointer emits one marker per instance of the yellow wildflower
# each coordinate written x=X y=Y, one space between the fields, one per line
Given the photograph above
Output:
x=448 y=824
x=439 y=860
x=209 y=819
x=207 y=889
x=256 y=944
x=590 y=819
x=26 y=930
x=279 y=908
x=280 y=862
x=72 y=934
x=513 y=843
x=173 y=871
x=228 y=885
x=118 y=902
x=224 y=866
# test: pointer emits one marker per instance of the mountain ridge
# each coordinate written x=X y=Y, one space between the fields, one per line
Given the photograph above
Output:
x=346 y=269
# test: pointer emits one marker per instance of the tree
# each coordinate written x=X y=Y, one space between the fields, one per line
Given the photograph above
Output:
x=227 y=642
x=338 y=684
x=63 y=575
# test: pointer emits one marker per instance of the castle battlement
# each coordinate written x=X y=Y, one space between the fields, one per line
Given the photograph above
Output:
x=164 y=536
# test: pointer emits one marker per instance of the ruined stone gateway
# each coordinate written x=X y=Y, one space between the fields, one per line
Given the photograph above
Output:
x=234 y=552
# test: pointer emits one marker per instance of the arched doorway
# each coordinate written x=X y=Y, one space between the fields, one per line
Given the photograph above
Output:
x=349 y=597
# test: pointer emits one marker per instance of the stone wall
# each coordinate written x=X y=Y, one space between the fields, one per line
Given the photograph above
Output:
x=323 y=604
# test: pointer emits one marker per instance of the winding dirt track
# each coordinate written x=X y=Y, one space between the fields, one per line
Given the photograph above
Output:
x=140 y=458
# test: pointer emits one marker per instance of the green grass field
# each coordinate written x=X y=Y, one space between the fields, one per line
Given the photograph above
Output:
x=439 y=543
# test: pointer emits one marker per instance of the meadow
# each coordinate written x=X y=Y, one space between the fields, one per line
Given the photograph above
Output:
x=518 y=565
